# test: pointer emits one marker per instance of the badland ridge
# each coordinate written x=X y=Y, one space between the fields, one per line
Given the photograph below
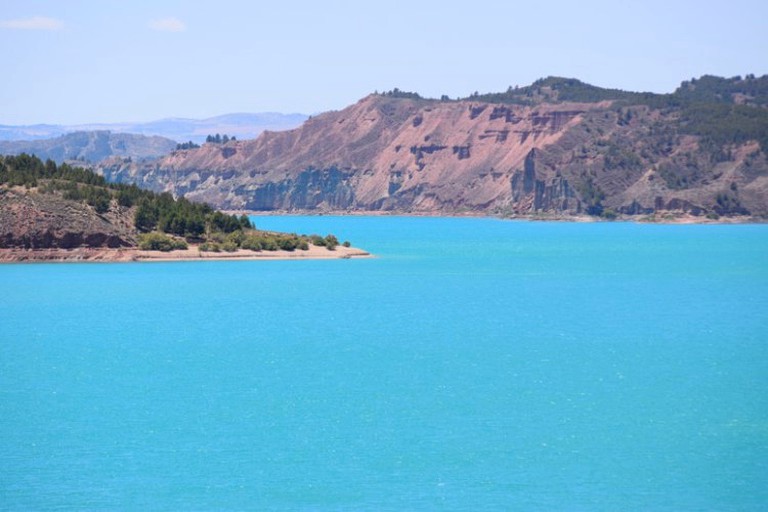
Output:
x=556 y=147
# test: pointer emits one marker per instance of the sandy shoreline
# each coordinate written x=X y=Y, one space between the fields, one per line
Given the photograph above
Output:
x=85 y=254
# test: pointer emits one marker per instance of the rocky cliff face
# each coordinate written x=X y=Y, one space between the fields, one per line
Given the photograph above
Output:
x=413 y=155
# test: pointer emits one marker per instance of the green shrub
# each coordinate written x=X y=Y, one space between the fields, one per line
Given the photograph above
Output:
x=331 y=242
x=317 y=240
x=251 y=243
x=229 y=246
x=219 y=238
x=236 y=237
x=269 y=244
x=210 y=247
x=159 y=242
x=287 y=243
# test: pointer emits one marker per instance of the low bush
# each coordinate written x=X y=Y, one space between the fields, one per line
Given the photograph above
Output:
x=251 y=243
x=159 y=242
x=210 y=247
x=229 y=246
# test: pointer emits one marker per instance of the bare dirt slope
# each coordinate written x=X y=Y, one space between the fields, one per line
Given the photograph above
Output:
x=30 y=220
x=414 y=155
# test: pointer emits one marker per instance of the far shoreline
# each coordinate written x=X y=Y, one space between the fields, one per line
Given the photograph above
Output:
x=669 y=217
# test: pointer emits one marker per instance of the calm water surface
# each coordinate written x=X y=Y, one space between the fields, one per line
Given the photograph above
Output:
x=474 y=364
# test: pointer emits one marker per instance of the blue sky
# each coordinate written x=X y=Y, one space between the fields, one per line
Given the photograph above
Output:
x=106 y=61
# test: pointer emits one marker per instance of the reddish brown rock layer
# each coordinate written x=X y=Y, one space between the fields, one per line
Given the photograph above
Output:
x=31 y=220
x=405 y=155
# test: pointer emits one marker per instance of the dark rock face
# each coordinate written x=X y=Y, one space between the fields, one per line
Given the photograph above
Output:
x=524 y=183
x=61 y=239
x=312 y=189
x=635 y=208
x=531 y=194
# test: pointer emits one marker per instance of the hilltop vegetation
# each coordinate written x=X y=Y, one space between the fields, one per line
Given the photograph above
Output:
x=749 y=90
x=720 y=110
x=219 y=139
x=153 y=211
x=161 y=222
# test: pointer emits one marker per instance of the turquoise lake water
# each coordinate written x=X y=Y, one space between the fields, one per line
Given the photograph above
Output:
x=474 y=364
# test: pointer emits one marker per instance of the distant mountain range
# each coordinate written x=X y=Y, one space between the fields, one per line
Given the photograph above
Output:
x=91 y=147
x=242 y=126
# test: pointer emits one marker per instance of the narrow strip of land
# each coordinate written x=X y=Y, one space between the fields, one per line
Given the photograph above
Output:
x=193 y=253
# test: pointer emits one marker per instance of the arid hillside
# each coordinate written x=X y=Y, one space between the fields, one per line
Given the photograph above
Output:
x=557 y=147
x=31 y=221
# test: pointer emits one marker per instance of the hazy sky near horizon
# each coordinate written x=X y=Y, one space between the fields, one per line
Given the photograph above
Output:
x=107 y=61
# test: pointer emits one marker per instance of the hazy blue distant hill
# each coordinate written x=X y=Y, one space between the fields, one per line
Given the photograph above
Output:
x=242 y=126
x=91 y=146
x=31 y=132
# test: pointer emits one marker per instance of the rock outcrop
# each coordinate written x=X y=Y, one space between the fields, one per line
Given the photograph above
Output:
x=32 y=220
